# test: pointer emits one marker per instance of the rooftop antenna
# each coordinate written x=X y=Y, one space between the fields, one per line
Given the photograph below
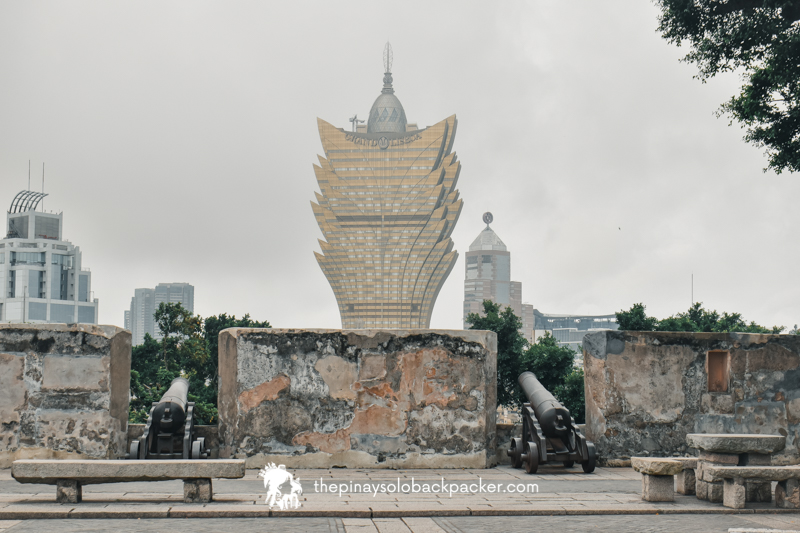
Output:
x=387 y=58
x=29 y=174
x=43 y=185
x=355 y=122
x=387 y=69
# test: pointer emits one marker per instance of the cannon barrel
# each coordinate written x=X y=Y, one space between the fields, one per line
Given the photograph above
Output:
x=554 y=418
x=169 y=414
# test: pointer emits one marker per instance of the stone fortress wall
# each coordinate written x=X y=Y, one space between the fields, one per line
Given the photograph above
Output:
x=645 y=391
x=360 y=398
x=64 y=391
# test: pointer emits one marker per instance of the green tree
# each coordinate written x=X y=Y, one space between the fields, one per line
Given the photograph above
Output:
x=188 y=348
x=760 y=39
x=696 y=319
x=554 y=367
x=635 y=319
x=181 y=352
x=510 y=345
x=572 y=395
x=552 y=364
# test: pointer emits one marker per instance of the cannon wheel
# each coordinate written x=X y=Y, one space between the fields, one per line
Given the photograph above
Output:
x=134 y=450
x=197 y=449
x=589 y=464
x=569 y=464
x=532 y=459
x=515 y=452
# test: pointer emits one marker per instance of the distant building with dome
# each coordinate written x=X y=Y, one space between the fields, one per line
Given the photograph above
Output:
x=387 y=206
x=488 y=277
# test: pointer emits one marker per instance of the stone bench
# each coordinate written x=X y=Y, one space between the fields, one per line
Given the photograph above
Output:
x=735 y=478
x=658 y=476
x=734 y=450
x=70 y=475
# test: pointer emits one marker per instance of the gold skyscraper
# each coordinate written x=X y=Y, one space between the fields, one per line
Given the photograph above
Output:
x=387 y=206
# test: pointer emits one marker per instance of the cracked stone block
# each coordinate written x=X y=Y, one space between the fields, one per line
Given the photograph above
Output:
x=755 y=459
x=197 y=491
x=68 y=491
x=719 y=458
x=701 y=489
x=733 y=493
x=658 y=488
x=686 y=483
x=787 y=494
x=759 y=492
x=715 y=492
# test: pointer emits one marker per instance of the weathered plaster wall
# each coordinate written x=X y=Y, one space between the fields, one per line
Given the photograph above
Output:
x=363 y=398
x=645 y=391
x=64 y=391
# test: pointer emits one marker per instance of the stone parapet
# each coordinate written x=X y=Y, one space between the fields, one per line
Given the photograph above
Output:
x=64 y=391
x=358 y=398
x=647 y=390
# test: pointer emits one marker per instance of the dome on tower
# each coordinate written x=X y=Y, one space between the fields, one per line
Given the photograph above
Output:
x=387 y=114
x=487 y=240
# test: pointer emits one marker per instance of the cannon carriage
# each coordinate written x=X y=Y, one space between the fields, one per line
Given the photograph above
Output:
x=549 y=433
x=169 y=432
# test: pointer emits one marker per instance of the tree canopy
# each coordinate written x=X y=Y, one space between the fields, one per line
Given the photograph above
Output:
x=696 y=319
x=760 y=39
x=552 y=364
x=188 y=348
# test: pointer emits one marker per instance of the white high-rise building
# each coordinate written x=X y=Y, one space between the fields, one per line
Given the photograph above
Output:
x=41 y=274
x=139 y=319
x=488 y=277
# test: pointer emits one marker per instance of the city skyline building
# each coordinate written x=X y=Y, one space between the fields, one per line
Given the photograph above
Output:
x=387 y=206
x=139 y=318
x=488 y=277
x=41 y=274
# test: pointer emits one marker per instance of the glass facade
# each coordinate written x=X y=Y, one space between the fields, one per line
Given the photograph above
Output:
x=387 y=206
x=18 y=227
x=27 y=258
x=83 y=288
x=37 y=311
x=86 y=314
x=62 y=313
x=46 y=227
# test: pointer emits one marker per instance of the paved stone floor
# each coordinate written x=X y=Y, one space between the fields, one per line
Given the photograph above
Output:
x=564 y=500
x=463 y=524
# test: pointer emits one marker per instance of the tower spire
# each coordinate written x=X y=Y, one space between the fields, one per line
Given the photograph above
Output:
x=387 y=69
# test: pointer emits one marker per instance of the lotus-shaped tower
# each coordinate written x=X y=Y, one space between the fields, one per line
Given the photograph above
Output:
x=387 y=206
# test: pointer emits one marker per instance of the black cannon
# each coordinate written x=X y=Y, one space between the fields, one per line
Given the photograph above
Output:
x=169 y=432
x=549 y=434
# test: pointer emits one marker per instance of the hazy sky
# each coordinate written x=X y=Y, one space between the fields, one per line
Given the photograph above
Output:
x=179 y=139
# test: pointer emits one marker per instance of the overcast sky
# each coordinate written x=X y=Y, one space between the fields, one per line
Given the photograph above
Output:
x=179 y=139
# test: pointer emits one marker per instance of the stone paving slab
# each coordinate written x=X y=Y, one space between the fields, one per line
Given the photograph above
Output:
x=609 y=492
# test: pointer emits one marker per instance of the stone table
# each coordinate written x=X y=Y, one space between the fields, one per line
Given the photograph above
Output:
x=734 y=450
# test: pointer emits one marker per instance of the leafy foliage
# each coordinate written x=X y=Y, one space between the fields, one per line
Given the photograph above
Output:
x=552 y=364
x=635 y=319
x=186 y=350
x=510 y=345
x=761 y=38
x=696 y=319
x=572 y=395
